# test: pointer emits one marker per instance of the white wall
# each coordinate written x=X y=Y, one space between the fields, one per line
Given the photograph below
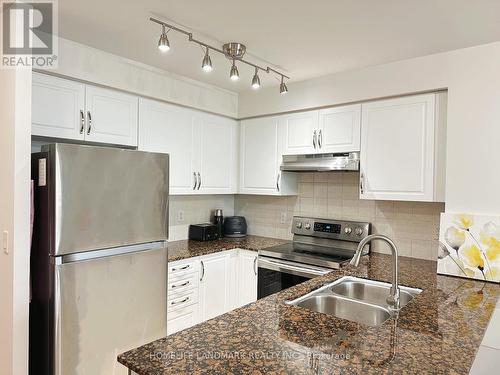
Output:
x=93 y=65
x=472 y=77
x=15 y=131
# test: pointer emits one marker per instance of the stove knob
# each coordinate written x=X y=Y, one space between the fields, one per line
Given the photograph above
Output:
x=299 y=224
x=347 y=230
x=308 y=226
x=359 y=231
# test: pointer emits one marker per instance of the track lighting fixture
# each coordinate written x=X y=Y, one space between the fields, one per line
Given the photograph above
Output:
x=163 y=43
x=234 y=74
x=256 y=79
x=283 y=88
x=233 y=51
x=206 y=65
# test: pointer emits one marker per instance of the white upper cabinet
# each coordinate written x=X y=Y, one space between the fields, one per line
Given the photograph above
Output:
x=300 y=131
x=402 y=148
x=218 y=161
x=260 y=157
x=58 y=107
x=67 y=109
x=170 y=129
x=203 y=148
x=339 y=129
x=111 y=116
x=333 y=130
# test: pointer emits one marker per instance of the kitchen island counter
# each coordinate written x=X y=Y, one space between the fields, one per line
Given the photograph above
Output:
x=439 y=331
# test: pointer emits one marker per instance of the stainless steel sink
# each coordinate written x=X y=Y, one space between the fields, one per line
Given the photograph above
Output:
x=359 y=300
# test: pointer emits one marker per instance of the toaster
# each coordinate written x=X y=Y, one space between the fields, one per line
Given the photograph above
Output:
x=203 y=232
x=235 y=226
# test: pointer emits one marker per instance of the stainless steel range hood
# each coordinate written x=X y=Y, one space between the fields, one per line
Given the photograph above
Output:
x=321 y=162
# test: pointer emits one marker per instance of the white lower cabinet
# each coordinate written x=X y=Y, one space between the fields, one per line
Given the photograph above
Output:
x=205 y=287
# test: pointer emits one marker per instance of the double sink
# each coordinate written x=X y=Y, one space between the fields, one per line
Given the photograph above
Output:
x=359 y=300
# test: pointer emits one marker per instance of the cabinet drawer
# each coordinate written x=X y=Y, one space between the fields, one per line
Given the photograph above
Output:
x=182 y=318
x=179 y=269
x=182 y=284
x=181 y=300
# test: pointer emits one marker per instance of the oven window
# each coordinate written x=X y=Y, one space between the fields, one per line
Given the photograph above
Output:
x=270 y=282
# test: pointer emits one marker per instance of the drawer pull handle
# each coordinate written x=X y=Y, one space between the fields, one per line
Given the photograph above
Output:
x=181 y=268
x=179 y=302
x=181 y=285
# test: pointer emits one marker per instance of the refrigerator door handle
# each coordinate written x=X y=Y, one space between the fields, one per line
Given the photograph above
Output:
x=57 y=320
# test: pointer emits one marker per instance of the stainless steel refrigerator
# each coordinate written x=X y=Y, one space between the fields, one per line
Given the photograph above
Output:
x=98 y=259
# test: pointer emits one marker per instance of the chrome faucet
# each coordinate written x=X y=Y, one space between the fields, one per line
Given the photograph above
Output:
x=393 y=298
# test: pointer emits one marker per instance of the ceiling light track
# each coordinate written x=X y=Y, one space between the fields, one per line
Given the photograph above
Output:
x=233 y=51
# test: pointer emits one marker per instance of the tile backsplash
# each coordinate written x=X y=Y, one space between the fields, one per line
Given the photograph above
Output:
x=195 y=209
x=413 y=225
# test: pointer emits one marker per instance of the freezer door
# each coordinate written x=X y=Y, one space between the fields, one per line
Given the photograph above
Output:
x=105 y=307
x=107 y=197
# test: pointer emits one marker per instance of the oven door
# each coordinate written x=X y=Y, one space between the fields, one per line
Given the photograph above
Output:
x=276 y=274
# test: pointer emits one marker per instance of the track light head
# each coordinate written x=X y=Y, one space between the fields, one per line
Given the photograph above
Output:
x=256 y=79
x=283 y=88
x=206 y=64
x=234 y=74
x=163 y=43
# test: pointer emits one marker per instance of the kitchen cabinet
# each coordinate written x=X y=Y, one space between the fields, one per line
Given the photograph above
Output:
x=58 y=108
x=67 y=109
x=403 y=148
x=111 y=116
x=247 y=277
x=215 y=284
x=332 y=130
x=203 y=148
x=260 y=158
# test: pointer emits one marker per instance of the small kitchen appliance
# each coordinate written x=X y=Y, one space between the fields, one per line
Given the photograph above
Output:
x=203 y=232
x=219 y=221
x=235 y=227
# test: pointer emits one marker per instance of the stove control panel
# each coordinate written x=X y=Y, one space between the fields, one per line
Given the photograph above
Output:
x=333 y=229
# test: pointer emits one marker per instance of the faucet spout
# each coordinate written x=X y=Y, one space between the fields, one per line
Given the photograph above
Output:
x=393 y=298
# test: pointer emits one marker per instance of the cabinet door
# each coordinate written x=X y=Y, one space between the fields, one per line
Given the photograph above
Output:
x=259 y=156
x=170 y=129
x=397 y=149
x=247 y=277
x=58 y=107
x=340 y=129
x=111 y=116
x=218 y=155
x=215 y=280
x=301 y=133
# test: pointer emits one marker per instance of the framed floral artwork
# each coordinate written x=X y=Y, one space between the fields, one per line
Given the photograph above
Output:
x=469 y=246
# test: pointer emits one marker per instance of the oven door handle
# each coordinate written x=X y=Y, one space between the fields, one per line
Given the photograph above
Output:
x=294 y=269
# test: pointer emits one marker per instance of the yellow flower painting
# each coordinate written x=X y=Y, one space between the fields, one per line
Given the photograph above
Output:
x=469 y=246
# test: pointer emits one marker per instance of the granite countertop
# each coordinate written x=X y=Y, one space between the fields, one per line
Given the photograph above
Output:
x=178 y=250
x=439 y=331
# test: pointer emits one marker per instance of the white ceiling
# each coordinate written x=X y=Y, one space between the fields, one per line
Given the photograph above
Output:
x=304 y=38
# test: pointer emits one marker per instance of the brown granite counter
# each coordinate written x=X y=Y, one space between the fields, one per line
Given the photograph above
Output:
x=438 y=332
x=178 y=250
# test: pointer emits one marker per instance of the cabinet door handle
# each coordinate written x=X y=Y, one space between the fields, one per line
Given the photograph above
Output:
x=179 y=302
x=199 y=180
x=82 y=122
x=315 y=135
x=181 y=268
x=89 y=119
x=181 y=285
x=361 y=183
x=320 y=139
x=255 y=266
x=278 y=182
x=202 y=270
x=195 y=181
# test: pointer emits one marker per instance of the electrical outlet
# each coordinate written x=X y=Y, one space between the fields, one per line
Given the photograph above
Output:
x=180 y=215
x=283 y=218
